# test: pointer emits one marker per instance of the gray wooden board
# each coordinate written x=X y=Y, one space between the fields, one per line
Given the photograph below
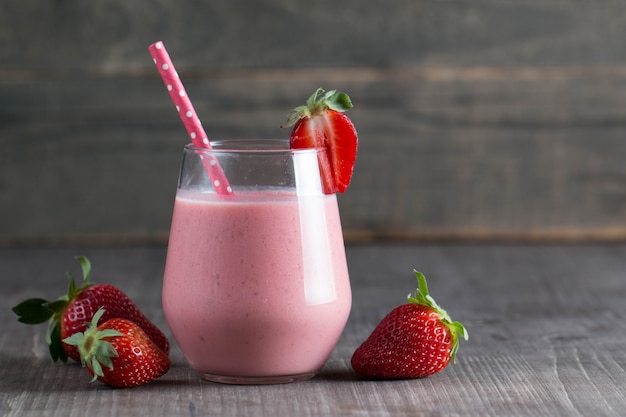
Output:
x=503 y=167
x=478 y=120
x=546 y=326
x=111 y=36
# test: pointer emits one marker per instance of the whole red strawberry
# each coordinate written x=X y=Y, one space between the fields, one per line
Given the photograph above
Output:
x=414 y=340
x=321 y=123
x=73 y=311
x=119 y=353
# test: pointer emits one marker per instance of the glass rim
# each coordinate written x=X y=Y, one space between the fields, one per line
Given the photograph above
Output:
x=252 y=146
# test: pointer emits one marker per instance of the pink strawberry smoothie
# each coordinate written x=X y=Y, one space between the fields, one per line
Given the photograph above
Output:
x=256 y=285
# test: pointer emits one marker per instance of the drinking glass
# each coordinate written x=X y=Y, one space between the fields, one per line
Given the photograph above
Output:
x=256 y=287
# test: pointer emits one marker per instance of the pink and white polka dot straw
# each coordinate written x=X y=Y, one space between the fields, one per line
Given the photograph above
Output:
x=188 y=115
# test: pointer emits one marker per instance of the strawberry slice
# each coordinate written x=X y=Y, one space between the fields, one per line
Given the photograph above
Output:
x=321 y=123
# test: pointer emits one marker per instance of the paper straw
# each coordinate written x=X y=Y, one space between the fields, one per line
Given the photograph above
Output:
x=188 y=115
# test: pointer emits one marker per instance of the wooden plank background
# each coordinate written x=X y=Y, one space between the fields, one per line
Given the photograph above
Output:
x=481 y=119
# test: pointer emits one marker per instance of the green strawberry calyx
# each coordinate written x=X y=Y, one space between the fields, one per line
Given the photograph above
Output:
x=38 y=310
x=94 y=350
x=422 y=297
x=319 y=101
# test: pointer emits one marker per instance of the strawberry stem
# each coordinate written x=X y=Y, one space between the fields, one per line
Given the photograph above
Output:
x=422 y=297
x=95 y=352
x=317 y=103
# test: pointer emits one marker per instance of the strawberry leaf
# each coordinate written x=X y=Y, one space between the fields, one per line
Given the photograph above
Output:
x=338 y=101
x=460 y=329
x=71 y=288
x=57 y=306
x=33 y=311
x=316 y=104
x=75 y=339
x=38 y=310
x=55 y=347
x=422 y=297
x=95 y=352
x=95 y=367
x=86 y=267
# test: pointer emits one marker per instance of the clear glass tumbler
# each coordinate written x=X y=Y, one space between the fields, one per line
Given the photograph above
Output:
x=256 y=287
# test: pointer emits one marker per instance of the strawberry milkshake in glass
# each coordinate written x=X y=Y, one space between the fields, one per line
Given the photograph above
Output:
x=256 y=287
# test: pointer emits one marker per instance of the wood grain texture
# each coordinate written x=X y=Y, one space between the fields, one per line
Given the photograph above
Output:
x=478 y=120
x=76 y=37
x=546 y=337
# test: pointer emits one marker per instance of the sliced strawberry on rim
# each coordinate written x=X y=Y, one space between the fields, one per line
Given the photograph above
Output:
x=321 y=123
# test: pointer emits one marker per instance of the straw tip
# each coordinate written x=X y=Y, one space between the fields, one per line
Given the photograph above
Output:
x=156 y=45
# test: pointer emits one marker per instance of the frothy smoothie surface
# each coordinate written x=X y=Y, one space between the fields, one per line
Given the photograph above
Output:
x=257 y=284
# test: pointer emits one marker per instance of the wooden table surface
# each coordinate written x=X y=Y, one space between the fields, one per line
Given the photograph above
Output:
x=546 y=322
